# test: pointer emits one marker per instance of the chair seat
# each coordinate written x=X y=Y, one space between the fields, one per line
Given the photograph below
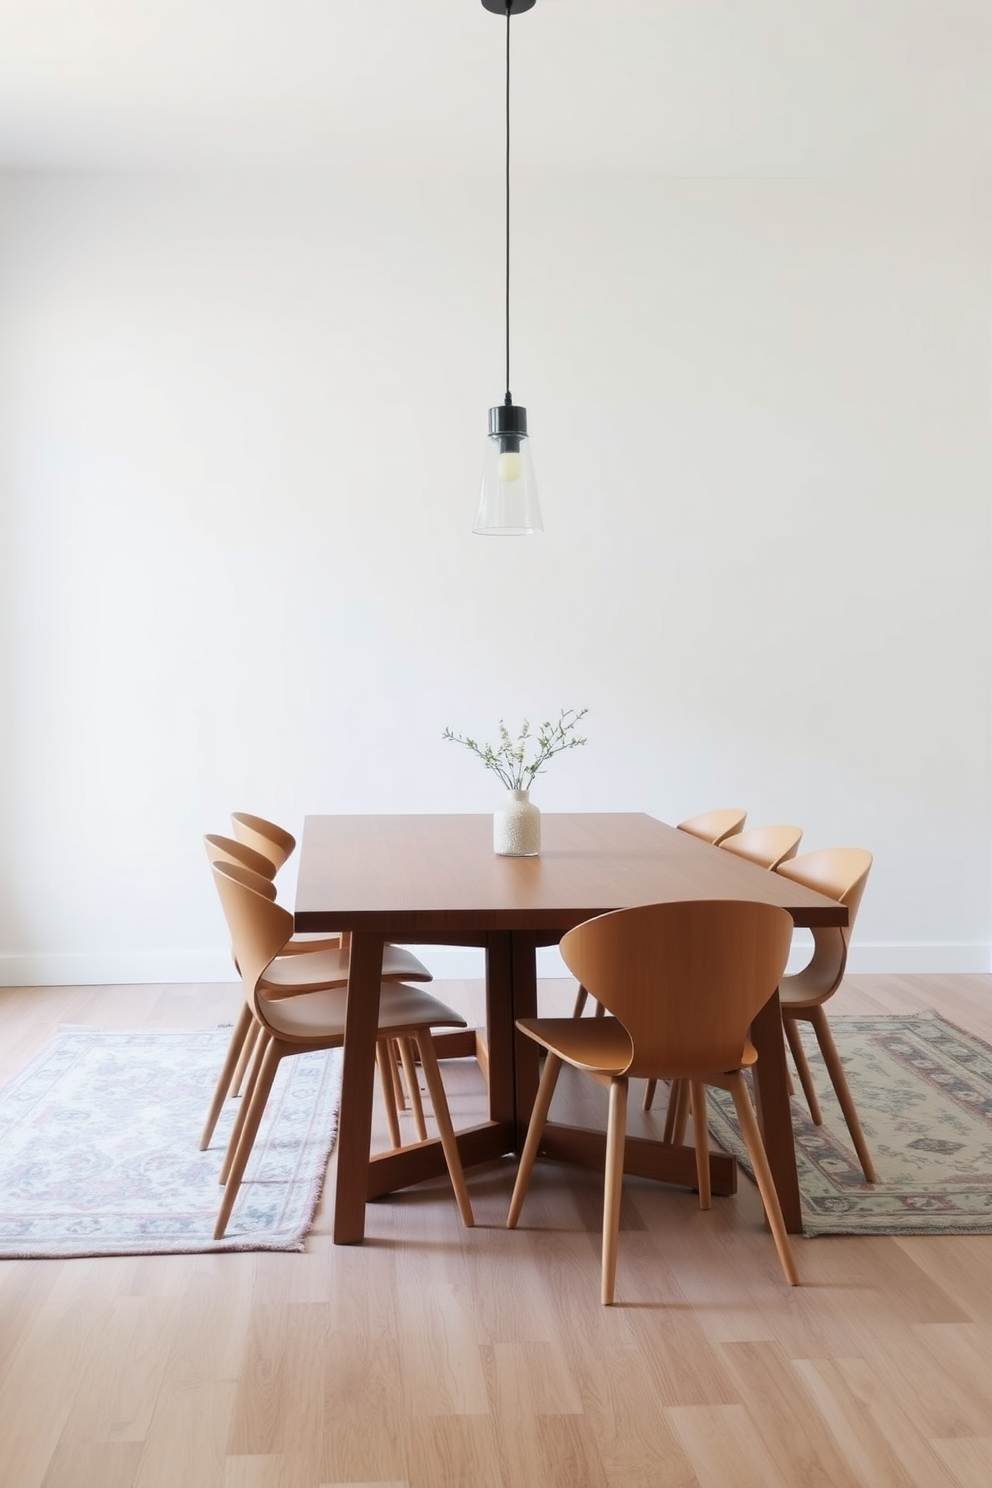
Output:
x=796 y=992
x=601 y=1044
x=321 y=1014
x=307 y=970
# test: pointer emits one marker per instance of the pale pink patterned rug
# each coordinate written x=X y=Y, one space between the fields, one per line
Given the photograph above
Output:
x=99 y=1141
x=923 y=1090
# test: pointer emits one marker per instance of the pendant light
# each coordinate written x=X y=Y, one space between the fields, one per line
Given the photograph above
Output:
x=508 y=505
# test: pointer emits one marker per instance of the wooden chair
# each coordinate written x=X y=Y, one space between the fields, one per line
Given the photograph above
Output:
x=766 y=846
x=233 y=850
x=331 y=967
x=682 y=982
x=313 y=1019
x=712 y=826
x=715 y=826
x=277 y=844
x=265 y=837
x=841 y=873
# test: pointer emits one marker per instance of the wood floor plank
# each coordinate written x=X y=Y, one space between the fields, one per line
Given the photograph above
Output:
x=122 y=1372
x=723 y=1446
x=88 y=1464
x=187 y=1440
x=796 y=1439
x=874 y=1432
x=280 y=1392
x=967 y=1459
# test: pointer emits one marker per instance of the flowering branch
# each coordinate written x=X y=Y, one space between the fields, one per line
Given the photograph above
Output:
x=507 y=759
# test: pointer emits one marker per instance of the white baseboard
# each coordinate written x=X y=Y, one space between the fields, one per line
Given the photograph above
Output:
x=448 y=963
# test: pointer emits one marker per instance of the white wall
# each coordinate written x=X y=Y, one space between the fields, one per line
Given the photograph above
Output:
x=241 y=434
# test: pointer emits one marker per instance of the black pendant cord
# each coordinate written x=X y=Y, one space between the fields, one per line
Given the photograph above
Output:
x=508 y=399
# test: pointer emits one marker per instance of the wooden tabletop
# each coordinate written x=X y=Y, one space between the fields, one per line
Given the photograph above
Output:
x=426 y=878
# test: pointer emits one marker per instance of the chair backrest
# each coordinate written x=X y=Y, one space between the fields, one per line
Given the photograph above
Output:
x=230 y=850
x=685 y=978
x=265 y=837
x=259 y=927
x=767 y=846
x=841 y=873
x=714 y=826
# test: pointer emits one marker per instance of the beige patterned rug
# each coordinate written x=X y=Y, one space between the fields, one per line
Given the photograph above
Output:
x=99 y=1148
x=923 y=1089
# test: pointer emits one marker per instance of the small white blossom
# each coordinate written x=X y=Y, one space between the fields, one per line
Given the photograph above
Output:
x=507 y=762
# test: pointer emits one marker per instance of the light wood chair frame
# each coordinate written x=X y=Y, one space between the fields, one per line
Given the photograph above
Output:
x=681 y=983
x=841 y=873
x=259 y=930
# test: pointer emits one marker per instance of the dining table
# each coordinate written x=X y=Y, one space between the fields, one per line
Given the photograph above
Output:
x=435 y=880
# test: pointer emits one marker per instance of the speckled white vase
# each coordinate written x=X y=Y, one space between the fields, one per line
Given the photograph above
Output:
x=517 y=828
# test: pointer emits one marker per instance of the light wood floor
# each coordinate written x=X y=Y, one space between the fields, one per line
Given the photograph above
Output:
x=435 y=1356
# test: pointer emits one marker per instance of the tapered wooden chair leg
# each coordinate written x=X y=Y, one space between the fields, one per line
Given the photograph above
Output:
x=256 y=1107
x=261 y=1044
x=762 y=1173
x=580 y=1001
x=538 y=1119
x=245 y=1060
x=239 y=1032
x=650 y=1086
x=616 y=1137
x=838 y=1080
x=413 y=1086
x=399 y=1094
x=700 y=1138
x=386 y=1065
x=677 y=1115
x=442 y=1118
x=803 y=1070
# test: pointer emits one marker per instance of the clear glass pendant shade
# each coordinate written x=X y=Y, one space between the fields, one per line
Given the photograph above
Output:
x=508 y=504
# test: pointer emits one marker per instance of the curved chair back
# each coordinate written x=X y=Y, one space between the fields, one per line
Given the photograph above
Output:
x=714 y=826
x=230 y=850
x=259 y=927
x=841 y=873
x=275 y=843
x=685 y=979
x=767 y=846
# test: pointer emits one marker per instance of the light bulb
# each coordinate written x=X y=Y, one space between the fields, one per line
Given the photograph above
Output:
x=509 y=465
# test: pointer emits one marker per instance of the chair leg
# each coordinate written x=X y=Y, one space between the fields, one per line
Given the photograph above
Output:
x=838 y=1080
x=701 y=1141
x=538 y=1118
x=762 y=1172
x=442 y=1118
x=245 y=1060
x=386 y=1065
x=650 y=1086
x=239 y=1033
x=262 y=1041
x=677 y=1115
x=580 y=1001
x=799 y=1059
x=616 y=1136
x=413 y=1086
x=399 y=1094
x=264 y=1077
